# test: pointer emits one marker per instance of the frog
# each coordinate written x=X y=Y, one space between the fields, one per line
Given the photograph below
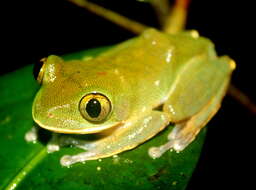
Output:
x=131 y=92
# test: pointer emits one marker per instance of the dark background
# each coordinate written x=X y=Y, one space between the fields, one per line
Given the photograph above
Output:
x=32 y=30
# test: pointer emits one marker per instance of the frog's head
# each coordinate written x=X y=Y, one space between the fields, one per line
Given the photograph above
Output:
x=74 y=100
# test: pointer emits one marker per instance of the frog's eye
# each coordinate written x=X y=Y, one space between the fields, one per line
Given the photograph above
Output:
x=39 y=70
x=95 y=107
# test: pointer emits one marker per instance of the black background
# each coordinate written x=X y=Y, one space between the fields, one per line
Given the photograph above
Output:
x=32 y=30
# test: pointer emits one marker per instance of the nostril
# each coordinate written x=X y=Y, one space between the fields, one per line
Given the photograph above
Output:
x=50 y=115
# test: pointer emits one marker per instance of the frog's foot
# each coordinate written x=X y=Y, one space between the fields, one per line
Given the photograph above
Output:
x=182 y=134
x=53 y=145
x=32 y=135
x=123 y=138
x=179 y=138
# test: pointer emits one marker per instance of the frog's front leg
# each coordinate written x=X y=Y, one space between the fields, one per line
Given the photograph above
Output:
x=123 y=138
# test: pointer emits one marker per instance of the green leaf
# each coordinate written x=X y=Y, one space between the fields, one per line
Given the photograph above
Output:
x=28 y=166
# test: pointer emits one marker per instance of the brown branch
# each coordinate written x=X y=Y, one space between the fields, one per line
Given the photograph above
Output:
x=242 y=98
x=162 y=9
x=116 y=18
x=177 y=17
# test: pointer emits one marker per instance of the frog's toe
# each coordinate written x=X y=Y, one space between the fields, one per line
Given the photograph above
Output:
x=181 y=143
x=52 y=148
x=156 y=152
x=68 y=160
x=181 y=137
x=173 y=144
x=32 y=135
x=178 y=140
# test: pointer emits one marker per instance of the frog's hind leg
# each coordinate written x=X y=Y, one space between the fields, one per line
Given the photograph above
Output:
x=185 y=132
x=125 y=137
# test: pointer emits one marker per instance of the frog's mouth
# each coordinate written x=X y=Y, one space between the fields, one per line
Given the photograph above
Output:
x=81 y=130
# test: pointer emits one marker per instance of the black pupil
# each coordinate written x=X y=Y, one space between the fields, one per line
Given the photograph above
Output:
x=93 y=108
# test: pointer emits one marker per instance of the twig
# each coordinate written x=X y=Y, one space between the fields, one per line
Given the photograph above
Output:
x=162 y=9
x=177 y=18
x=118 y=19
x=242 y=98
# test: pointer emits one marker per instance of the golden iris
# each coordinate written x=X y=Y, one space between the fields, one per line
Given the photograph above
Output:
x=95 y=107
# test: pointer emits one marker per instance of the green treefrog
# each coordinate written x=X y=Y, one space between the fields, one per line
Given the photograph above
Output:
x=130 y=93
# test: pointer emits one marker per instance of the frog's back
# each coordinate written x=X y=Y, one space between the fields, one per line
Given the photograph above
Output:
x=148 y=65
x=151 y=61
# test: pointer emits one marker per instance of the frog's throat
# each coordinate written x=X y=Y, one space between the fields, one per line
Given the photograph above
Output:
x=90 y=130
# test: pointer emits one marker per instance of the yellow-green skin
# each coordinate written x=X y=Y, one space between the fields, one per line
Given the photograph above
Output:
x=180 y=72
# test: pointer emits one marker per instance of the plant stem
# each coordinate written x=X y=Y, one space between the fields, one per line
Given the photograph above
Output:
x=26 y=169
x=242 y=98
x=116 y=18
x=162 y=9
x=177 y=18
